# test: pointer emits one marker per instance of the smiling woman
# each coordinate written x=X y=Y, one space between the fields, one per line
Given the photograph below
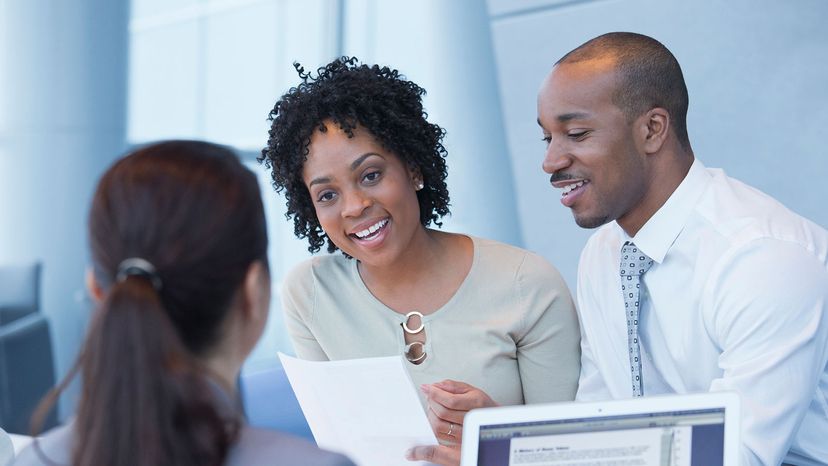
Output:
x=361 y=192
x=480 y=322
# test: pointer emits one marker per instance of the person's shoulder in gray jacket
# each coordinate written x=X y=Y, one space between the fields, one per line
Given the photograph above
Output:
x=260 y=447
x=254 y=447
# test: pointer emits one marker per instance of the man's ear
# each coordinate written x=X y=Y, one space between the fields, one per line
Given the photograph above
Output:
x=654 y=127
x=92 y=286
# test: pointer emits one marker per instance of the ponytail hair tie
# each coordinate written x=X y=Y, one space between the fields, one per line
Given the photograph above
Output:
x=138 y=267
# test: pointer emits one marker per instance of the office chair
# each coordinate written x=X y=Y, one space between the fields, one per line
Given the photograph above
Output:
x=269 y=401
x=26 y=363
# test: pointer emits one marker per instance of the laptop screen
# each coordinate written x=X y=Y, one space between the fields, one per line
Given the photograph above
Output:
x=674 y=438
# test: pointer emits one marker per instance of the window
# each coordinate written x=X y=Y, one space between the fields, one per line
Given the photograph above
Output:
x=212 y=70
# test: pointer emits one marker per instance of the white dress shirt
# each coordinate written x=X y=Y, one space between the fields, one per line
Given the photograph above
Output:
x=737 y=299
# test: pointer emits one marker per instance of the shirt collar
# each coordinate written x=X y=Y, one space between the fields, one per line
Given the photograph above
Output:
x=660 y=232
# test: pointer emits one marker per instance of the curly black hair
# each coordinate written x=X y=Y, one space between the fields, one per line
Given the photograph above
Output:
x=350 y=94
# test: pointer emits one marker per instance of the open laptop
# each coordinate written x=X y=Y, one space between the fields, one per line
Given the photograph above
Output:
x=672 y=430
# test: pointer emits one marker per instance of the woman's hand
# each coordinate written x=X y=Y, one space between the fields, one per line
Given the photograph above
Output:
x=448 y=403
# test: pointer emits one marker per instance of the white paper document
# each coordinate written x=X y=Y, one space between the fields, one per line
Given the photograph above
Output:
x=367 y=408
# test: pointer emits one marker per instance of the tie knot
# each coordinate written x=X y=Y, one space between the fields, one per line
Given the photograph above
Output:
x=633 y=261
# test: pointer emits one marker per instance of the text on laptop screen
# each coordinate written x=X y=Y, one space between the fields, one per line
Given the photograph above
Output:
x=676 y=438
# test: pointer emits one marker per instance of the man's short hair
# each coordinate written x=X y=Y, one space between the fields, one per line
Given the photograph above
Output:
x=648 y=76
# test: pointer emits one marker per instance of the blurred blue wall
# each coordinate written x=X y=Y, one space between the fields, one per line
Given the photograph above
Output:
x=63 y=121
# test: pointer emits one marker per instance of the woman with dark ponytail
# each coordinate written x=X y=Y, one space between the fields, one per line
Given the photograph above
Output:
x=180 y=276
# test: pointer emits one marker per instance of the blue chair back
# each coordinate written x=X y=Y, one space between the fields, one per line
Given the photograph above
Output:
x=270 y=403
x=26 y=361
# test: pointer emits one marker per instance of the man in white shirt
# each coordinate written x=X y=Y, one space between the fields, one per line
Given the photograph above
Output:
x=723 y=287
x=735 y=290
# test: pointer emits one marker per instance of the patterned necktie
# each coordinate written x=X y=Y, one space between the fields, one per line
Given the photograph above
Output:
x=633 y=265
